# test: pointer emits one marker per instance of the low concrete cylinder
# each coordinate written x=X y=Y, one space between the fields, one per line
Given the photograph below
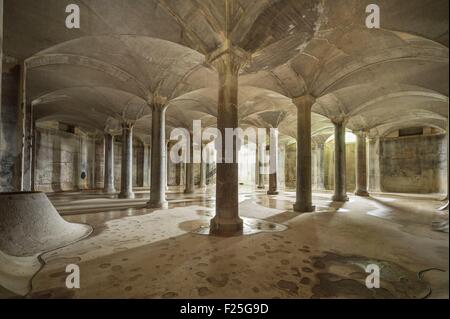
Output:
x=30 y=224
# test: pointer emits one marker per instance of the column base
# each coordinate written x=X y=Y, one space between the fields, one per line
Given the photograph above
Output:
x=273 y=193
x=189 y=191
x=158 y=204
x=261 y=187
x=340 y=198
x=128 y=195
x=301 y=208
x=109 y=191
x=362 y=193
x=222 y=227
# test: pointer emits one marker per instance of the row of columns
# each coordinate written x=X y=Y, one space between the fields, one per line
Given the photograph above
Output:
x=304 y=182
x=126 y=180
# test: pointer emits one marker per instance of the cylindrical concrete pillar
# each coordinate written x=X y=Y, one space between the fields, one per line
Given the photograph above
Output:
x=361 y=164
x=146 y=165
x=320 y=168
x=190 y=168
x=340 y=165
x=447 y=147
x=158 y=162
x=304 y=176
x=260 y=164
x=227 y=220
x=109 y=187
x=273 y=163
x=167 y=163
x=374 y=164
x=126 y=191
x=202 y=184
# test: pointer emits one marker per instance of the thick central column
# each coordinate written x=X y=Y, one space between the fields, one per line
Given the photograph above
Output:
x=109 y=187
x=126 y=191
x=227 y=221
x=273 y=163
x=340 y=190
x=361 y=164
x=158 y=162
x=190 y=168
x=304 y=171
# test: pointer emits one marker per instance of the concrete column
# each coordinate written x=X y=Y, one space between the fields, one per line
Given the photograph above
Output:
x=190 y=168
x=256 y=165
x=228 y=62
x=447 y=146
x=56 y=167
x=27 y=125
x=99 y=161
x=320 y=168
x=374 y=164
x=126 y=191
x=34 y=156
x=340 y=191
x=304 y=171
x=273 y=162
x=140 y=161
x=211 y=167
x=82 y=163
x=202 y=184
x=92 y=164
x=146 y=165
x=361 y=164
x=11 y=129
x=159 y=153
x=109 y=187
x=260 y=163
x=1 y=52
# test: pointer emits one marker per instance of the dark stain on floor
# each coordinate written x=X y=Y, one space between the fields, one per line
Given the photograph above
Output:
x=396 y=282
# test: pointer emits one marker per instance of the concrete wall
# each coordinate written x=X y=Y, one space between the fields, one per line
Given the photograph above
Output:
x=61 y=157
x=416 y=164
x=57 y=161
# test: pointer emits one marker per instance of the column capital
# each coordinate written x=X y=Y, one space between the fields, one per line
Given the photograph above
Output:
x=228 y=56
x=306 y=100
x=157 y=102
x=112 y=133
x=127 y=124
x=319 y=145
x=360 y=133
x=339 y=120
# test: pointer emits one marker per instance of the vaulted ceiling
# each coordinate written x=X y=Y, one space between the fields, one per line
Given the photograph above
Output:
x=127 y=52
